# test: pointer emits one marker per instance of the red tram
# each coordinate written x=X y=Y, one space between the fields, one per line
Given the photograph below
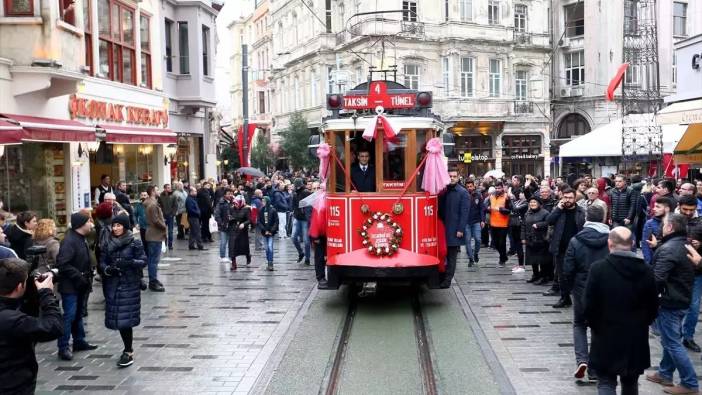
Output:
x=389 y=231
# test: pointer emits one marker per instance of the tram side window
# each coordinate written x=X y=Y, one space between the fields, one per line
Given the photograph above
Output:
x=339 y=170
x=363 y=166
x=421 y=153
x=394 y=158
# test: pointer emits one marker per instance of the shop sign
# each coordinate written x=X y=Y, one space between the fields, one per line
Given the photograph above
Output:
x=523 y=156
x=469 y=157
x=113 y=112
x=378 y=95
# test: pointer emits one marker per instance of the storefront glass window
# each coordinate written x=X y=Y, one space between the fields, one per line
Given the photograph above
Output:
x=32 y=177
x=134 y=164
x=474 y=155
x=522 y=155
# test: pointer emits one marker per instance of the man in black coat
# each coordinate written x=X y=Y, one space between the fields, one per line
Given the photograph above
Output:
x=363 y=173
x=674 y=274
x=454 y=212
x=567 y=219
x=621 y=301
x=588 y=246
x=123 y=200
x=624 y=203
x=19 y=332
x=204 y=201
x=75 y=271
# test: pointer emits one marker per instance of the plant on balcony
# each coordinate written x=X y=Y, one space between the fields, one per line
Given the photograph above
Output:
x=294 y=142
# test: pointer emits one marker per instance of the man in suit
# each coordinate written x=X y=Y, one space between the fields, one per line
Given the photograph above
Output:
x=363 y=173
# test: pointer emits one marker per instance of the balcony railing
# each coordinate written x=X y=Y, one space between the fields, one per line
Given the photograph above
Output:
x=415 y=29
x=522 y=38
x=523 y=107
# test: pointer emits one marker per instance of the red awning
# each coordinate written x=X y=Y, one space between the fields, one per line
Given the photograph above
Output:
x=136 y=135
x=10 y=133
x=50 y=129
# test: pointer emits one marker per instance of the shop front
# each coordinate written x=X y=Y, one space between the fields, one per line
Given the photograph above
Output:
x=474 y=155
x=523 y=154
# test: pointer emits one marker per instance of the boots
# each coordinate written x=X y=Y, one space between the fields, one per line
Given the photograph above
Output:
x=233 y=267
x=270 y=266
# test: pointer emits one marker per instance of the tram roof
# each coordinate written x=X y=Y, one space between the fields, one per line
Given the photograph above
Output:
x=404 y=122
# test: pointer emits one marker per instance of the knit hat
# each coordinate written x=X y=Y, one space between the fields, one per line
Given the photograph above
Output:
x=298 y=183
x=78 y=219
x=122 y=219
x=267 y=199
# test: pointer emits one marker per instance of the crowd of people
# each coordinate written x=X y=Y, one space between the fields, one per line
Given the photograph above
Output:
x=580 y=238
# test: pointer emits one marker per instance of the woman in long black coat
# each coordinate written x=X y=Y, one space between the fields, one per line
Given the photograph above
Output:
x=239 y=221
x=122 y=261
x=534 y=231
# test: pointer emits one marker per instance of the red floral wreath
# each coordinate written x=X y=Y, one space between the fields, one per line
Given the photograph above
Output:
x=382 y=220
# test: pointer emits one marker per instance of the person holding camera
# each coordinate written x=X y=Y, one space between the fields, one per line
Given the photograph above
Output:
x=19 y=332
x=75 y=271
x=122 y=262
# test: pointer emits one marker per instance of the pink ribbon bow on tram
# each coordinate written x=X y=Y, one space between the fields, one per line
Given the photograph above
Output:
x=380 y=120
x=436 y=175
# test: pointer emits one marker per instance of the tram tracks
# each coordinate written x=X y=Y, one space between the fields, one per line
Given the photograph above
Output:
x=423 y=362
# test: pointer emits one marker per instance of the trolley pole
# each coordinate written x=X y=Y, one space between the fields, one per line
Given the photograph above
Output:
x=245 y=102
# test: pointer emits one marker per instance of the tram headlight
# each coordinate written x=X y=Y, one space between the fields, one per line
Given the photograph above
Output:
x=424 y=99
x=334 y=102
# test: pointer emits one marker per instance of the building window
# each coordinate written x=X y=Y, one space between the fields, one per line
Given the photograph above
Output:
x=575 y=68
x=184 y=48
x=465 y=8
x=145 y=35
x=313 y=87
x=516 y=147
x=575 y=19
x=296 y=93
x=520 y=18
x=169 y=45
x=205 y=50
x=631 y=17
x=88 y=37
x=679 y=19
x=446 y=10
x=675 y=70
x=411 y=72
x=573 y=125
x=330 y=79
x=633 y=74
x=117 y=47
x=261 y=102
x=445 y=74
x=19 y=7
x=328 y=14
x=409 y=10
x=467 y=77
x=67 y=11
x=520 y=85
x=493 y=12
x=495 y=77
x=295 y=33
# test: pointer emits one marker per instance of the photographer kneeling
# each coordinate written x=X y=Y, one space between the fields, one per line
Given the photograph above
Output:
x=19 y=332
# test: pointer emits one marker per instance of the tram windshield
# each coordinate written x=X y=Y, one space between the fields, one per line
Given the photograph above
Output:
x=381 y=165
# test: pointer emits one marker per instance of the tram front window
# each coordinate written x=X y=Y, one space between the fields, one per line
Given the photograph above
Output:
x=363 y=172
x=394 y=161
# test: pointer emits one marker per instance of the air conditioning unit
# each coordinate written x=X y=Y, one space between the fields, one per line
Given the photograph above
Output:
x=565 y=42
x=565 y=92
x=576 y=92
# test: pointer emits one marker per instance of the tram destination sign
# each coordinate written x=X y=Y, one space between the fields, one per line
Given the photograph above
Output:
x=378 y=95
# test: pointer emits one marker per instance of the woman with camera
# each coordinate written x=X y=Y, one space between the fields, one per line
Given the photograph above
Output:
x=122 y=261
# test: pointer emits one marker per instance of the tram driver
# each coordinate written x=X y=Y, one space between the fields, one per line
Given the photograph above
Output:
x=363 y=172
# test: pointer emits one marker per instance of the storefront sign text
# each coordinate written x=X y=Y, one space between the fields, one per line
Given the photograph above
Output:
x=469 y=157
x=696 y=61
x=113 y=112
x=523 y=156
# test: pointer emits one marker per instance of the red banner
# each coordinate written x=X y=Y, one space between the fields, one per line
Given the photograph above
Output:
x=240 y=142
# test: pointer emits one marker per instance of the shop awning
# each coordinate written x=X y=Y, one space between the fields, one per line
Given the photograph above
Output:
x=10 y=133
x=685 y=113
x=607 y=141
x=136 y=135
x=689 y=148
x=50 y=129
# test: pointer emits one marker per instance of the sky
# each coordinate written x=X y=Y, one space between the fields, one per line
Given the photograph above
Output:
x=233 y=9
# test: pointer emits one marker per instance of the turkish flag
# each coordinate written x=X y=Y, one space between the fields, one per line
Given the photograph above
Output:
x=614 y=83
x=240 y=142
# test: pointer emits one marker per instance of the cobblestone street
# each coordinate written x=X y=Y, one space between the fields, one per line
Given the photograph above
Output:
x=214 y=331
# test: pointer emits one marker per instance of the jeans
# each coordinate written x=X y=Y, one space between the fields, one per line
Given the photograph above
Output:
x=169 y=231
x=558 y=262
x=181 y=228
x=268 y=241
x=499 y=235
x=516 y=243
x=674 y=354
x=195 y=235
x=300 y=231
x=223 y=243
x=154 y=255
x=579 y=331
x=694 y=311
x=607 y=385
x=282 y=224
x=320 y=258
x=72 y=320
x=473 y=231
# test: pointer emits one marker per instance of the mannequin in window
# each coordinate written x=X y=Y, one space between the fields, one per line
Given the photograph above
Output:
x=363 y=173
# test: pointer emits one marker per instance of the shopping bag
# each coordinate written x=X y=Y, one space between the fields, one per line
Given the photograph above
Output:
x=184 y=222
x=164 y=248
x=213 y=225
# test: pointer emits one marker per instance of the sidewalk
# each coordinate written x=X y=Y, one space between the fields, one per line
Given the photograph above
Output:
x=211 y=331
x=533 y=341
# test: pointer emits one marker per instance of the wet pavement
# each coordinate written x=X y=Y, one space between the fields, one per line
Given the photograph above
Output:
x=216 y=331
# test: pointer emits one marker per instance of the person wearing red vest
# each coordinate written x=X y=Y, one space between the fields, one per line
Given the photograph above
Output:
x=499 y=206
